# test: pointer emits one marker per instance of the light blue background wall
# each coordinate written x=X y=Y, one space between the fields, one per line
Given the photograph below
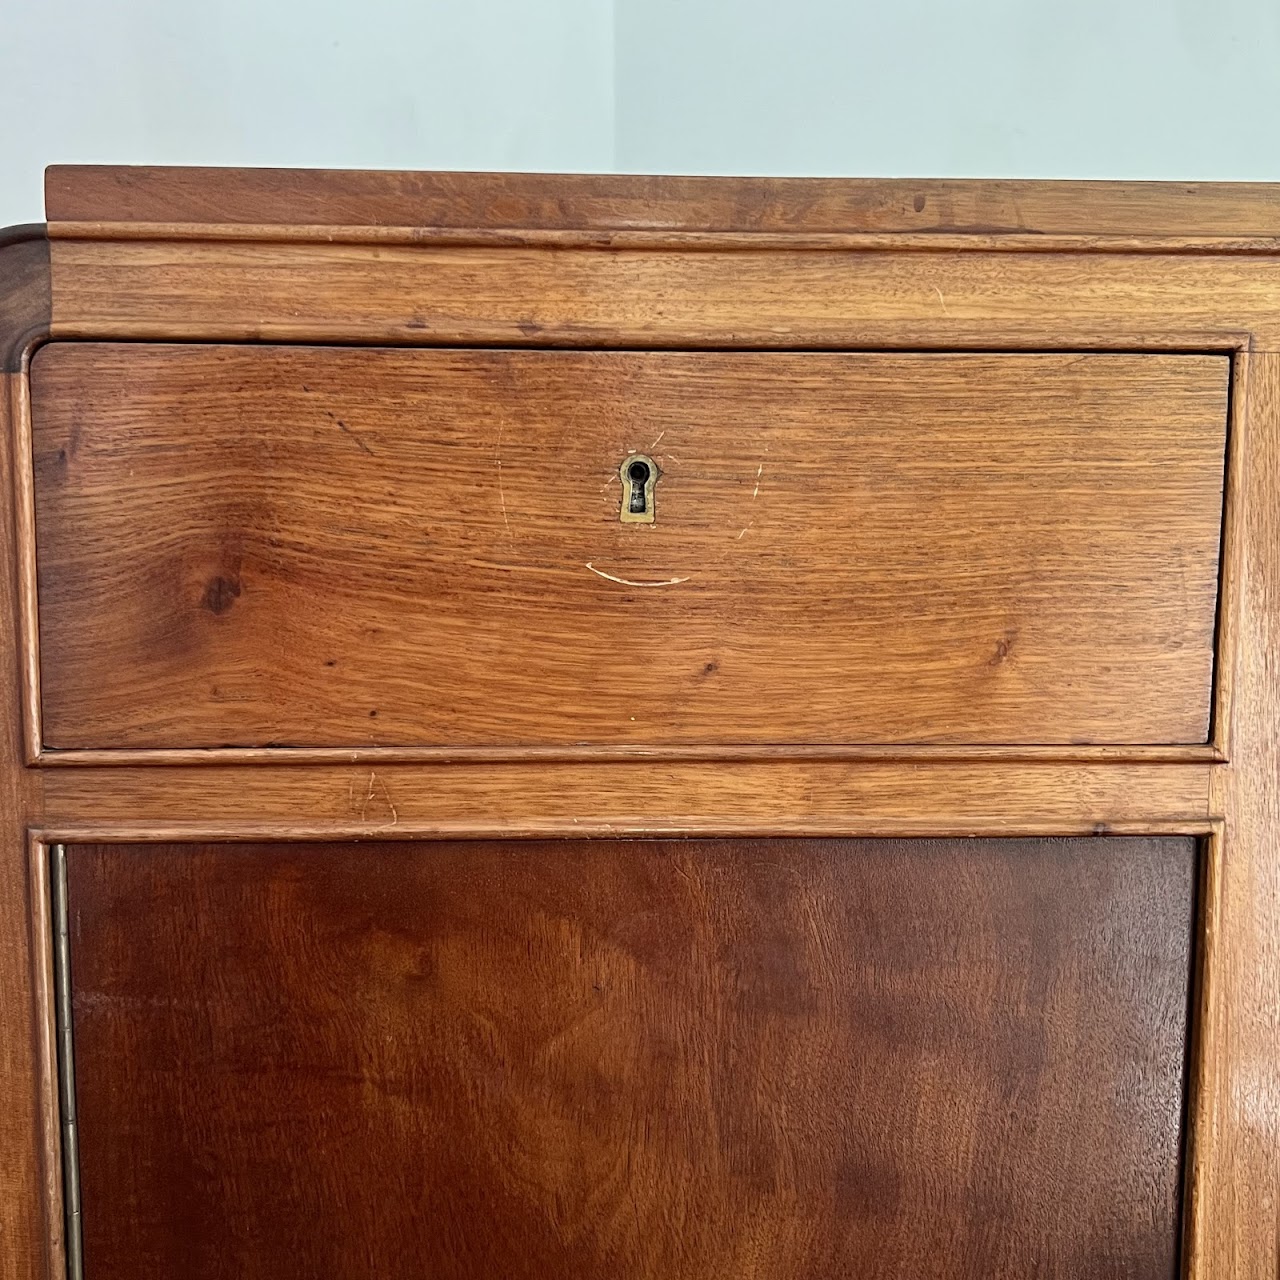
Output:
x=950 y=88
x=1096 y=88
x=453 y=84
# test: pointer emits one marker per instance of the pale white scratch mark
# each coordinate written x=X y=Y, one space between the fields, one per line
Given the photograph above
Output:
x=374 y=786
x=743 y=534
x=658 y=441
x=502 y=497
x=755 y=493
x=942 y=299
x=628 y=582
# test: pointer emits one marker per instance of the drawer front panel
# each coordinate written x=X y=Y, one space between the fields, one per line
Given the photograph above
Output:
x=247 y=546
x=773 y=1059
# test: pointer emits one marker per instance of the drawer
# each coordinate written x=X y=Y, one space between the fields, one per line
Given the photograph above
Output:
x=258 y=545
x=768 y=1059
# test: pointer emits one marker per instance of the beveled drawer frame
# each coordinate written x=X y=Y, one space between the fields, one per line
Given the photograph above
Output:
x=51 y=980
x=684 y=263
x=1215 y=748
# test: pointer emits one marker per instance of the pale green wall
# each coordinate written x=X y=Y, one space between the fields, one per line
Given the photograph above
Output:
x=950 y=88
x=469 y=84
x=1096 y=88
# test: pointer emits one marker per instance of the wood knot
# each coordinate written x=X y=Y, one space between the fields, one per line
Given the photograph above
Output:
x=221 y=594
x=1004 y=647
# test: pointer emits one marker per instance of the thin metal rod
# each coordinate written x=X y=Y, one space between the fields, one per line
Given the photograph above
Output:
x=66 y=1063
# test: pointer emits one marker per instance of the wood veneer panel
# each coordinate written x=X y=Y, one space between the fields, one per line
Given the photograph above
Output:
x=123 y=194
x=632 y=797
x=1237 y=1182
x=427 y=295
x=26 y=301
x=30 y=1239
x=760 y=1058
x=307 y=546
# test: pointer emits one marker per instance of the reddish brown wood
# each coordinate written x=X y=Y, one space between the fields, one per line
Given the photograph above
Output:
x=643 y=797
x=1023 y=267
x=30 y=1241
x=1238 y=1187
x=90 y=194
x=343 y=548
x=759 y=1058
x=26 y=300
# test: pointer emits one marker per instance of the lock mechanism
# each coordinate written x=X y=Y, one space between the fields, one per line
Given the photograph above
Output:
x=639 y=474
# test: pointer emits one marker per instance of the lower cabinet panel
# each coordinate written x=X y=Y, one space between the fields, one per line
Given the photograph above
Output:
x=623 y=1059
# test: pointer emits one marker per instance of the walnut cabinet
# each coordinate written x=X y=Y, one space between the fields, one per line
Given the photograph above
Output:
x=639 y=728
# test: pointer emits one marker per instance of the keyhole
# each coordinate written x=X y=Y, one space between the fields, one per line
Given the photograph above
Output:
x=639 y=473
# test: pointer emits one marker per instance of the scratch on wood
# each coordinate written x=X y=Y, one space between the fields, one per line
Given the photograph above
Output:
x=755 y=493
x=374 y=786
x=629 y=582
x=502 y=497
x=658 y=441
x=360 y=444
x=942 y=299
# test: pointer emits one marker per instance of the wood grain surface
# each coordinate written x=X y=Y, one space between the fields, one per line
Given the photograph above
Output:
x=616 y=202
x=26 y=300
x=30 y=1242
x=773 y=1059
x=335 y=547
x=1237 y=1186
x=515 y=261
x=633 y=797
x=529 y=296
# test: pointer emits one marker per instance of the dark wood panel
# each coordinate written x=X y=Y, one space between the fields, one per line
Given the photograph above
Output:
x=242 y=546
x=26 y=300
x=618 y=202
x=768 y=1058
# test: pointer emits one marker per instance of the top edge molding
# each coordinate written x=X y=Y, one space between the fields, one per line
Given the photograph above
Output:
x=87 y=195
x=26 y=296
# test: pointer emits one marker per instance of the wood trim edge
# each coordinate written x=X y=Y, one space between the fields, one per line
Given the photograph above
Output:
x=26 y=294
x=1204 y=1054
x=44 y=1018
x=1230 y=572
x=670 y=240
x=1122 y=753
x=646 y=829
x=22 y=488
x=651 y=203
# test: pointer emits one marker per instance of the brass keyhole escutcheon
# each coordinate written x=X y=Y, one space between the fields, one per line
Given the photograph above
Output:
x=639 y=475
